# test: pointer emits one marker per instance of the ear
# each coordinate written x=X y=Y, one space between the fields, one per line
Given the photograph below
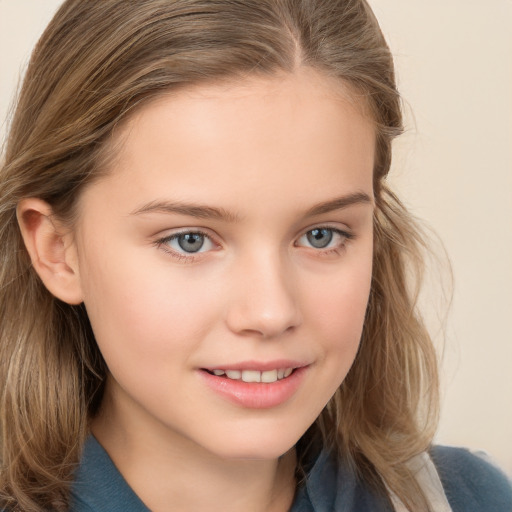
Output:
x=51 y=248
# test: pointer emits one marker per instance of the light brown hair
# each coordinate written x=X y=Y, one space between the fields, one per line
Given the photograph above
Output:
x=96 y=62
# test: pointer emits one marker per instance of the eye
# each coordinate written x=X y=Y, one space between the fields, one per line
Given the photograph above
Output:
x=187 y=242
x=324 y=238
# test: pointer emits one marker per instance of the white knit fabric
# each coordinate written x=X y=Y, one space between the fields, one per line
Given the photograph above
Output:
x=427 y=477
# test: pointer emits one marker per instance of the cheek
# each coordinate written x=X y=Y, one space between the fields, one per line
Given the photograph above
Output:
x=337 y=313
x=144 y=311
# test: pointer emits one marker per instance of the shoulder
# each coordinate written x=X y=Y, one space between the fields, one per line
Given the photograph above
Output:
x=334 y=484
x=99 y=486
x=471 y=483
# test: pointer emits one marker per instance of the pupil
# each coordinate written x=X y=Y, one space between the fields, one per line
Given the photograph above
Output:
x=191 y=242
x=320 y=238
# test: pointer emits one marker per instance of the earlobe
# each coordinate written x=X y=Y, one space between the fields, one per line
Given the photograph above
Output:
x=51 y=249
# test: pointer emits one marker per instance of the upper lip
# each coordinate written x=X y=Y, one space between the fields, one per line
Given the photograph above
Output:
x=261 y=366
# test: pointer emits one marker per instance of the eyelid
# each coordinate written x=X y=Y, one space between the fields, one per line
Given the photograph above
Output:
x=344 y=229
x=162 y=242
x=346 y=234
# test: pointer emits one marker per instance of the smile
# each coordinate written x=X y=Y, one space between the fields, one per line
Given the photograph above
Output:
x=267 y=376
x=245 y=386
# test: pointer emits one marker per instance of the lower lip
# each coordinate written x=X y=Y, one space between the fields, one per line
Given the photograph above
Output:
x=255 y=395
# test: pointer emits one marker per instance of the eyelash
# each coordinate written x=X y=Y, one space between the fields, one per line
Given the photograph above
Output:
x=162 y=243
x=327 y=251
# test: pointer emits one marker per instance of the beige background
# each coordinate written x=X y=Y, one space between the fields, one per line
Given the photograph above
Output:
x=453 y=167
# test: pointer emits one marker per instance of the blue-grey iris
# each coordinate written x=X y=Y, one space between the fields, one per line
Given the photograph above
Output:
x=320 y=238
x=191 y=242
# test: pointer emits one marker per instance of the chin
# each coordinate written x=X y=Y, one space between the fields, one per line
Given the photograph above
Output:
x=254 y=453
x=269 y=444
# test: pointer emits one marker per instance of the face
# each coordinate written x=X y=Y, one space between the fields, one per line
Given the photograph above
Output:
x=225 y=262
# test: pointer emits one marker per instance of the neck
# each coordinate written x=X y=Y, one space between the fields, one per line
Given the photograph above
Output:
x=167 y=468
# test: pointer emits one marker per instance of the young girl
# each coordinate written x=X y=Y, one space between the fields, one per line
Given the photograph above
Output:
x=206 y=298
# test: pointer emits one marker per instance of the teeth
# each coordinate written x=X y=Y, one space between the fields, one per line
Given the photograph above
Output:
x=251 y=376
x=268 y=376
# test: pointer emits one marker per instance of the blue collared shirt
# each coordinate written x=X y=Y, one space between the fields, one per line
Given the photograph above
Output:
x=471 y=484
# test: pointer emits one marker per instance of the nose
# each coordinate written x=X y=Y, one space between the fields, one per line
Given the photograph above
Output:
x=264 y=301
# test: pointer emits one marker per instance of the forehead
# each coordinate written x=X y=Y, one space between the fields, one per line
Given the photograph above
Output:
x=296 y=133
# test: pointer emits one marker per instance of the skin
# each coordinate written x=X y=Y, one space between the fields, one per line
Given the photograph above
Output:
x=266 y=151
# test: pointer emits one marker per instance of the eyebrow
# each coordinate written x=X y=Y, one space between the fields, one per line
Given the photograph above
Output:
x=339 y=203
x=189 y=209
x=211 y=212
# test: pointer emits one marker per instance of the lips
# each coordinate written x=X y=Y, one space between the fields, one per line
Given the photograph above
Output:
x=256 y=386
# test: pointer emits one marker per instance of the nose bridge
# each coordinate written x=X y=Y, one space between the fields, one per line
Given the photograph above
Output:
x=264 y=299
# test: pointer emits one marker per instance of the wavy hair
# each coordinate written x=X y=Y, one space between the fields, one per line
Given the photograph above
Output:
x=96 y=62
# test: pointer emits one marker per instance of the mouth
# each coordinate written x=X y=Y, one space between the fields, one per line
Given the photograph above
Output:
x=266 y=376
x=256 y=385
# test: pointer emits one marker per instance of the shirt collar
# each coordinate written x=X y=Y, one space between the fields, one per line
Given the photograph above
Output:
x=330 y=485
